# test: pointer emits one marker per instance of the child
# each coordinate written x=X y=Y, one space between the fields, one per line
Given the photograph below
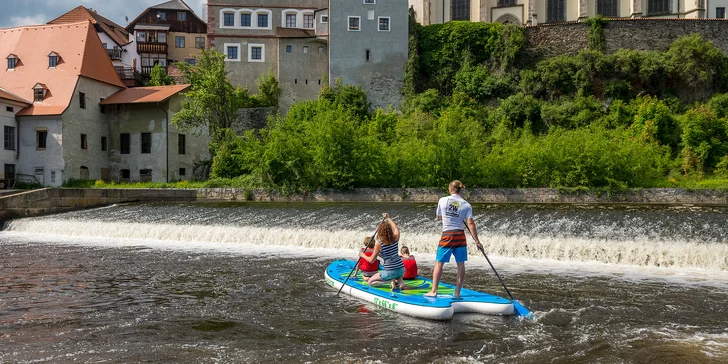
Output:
x=367 y=269
x=410 y=264
x=387 y=244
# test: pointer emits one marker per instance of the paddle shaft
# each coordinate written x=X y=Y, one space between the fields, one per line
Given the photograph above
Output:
x=359 y=260
x=491 y=265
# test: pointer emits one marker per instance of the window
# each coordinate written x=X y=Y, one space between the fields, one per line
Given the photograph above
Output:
x=52 y=61
x=11 y=63
x=256 y=52
x=104 y=144
x=720 y=13
x=84 y=173
x=9 y=172
x=179 y=42
x=321 y=49
x=262 y=20
x=232 y=52
x=181 y=144
x=40 y=139
x=101 y=107
x=125 y=174
x=124 y=143
x=608 y=8
x=354 y=23
x=38 y=94
x=161 y=15
x=82 y=100
x=324 y=19
x=556 y=10
x=182 y=172
x=305 y=49
x=53 y=176
x=84 y=141
x=9 y=108
x=290 y=20
x=145 y=175
x=146 y=143
x=308 y=20
x=162 y=37
x=181 y=16
x=200 y=42
x=9 y=137
x=245 y=20
x=289 y=49
x=228 y=19
x=506 y=3
x=658 y=6
x=384 y=23
x=367 y=55
x=370 y=1
x=191 y=61
x=370 y=14
x=460 y=9
x=141 y=36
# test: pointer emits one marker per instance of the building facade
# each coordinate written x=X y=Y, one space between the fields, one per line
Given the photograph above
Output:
x=166 y=33
x=306 y=43
x=10 y=104
x=533 y=12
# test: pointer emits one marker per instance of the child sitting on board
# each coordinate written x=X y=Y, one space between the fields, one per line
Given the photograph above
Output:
x=367 y=269
x=388 y=246
x=410 y=264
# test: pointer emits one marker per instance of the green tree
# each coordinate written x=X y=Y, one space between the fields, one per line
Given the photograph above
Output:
x=159 y=77
x=211 y=101
x=268 y=90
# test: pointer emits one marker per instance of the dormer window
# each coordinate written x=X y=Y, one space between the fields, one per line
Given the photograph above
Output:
x=53 y=60
x=39 y=92
x=12 y=61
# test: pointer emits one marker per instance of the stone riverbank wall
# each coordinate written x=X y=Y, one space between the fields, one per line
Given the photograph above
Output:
x=55 y=200
x=557 y=39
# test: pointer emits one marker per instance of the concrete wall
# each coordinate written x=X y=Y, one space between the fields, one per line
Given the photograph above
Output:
x=189 y=50
x=382 y=75
x=303 y=71
x=136 y=119
x=644 y=34
x=89 y=121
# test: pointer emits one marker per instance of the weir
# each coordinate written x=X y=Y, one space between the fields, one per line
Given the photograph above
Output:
x=677 y=238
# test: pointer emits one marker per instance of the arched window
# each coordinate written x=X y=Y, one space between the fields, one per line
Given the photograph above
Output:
x=658 y=6
x=608 y=8
x=290 y=19
x=555 y=10
x=227 y=18
x=263 y=18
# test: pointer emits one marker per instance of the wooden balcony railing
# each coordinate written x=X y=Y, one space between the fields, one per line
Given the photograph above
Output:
x=128 y=73
x=151 y=47
x=114 y=53
x=146 y=70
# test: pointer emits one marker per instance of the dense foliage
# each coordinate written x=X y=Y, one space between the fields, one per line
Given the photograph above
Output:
x=475 y=110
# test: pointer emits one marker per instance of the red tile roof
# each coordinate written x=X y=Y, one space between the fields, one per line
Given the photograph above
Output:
x=116 y=32
x=4 y=94
x=81 y=54
x=144 y=95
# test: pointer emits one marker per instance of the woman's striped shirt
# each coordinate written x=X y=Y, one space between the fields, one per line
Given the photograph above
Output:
x=390 y=254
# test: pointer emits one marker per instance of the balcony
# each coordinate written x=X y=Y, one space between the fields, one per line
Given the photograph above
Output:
x=147 y=70
x=130 y=76
x=114 y=53
x=151 y=47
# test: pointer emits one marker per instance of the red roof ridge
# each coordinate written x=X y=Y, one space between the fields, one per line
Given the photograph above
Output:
x=41 y=26
x=13 y=96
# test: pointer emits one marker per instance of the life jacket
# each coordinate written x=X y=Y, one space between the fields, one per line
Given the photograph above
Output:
x=410 y=267
x=366 y=266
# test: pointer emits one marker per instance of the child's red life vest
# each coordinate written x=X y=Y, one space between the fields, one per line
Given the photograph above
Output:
x=410 y=267
x=366 y=266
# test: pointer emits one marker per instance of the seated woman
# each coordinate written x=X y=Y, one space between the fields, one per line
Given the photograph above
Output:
x=388 y=247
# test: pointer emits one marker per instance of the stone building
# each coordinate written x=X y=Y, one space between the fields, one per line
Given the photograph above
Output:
x=304 y=43
x=166 y=33
x=532 y=12
x=10 y=104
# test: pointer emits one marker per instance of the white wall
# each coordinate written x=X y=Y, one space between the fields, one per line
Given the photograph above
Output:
x=127 y=56
x=712 y=4
x=49 y=160
x=7 y=119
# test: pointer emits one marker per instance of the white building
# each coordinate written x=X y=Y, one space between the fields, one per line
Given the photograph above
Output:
x=10 y=104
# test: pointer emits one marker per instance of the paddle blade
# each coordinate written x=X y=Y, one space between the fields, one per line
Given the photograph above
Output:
x=522 y=311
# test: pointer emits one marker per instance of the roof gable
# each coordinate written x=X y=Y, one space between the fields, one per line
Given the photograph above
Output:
x=144 y=95
x=178 y=5
x=82 y=55
x=116 y=32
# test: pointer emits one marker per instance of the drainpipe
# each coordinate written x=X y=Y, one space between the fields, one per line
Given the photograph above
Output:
x=166 y=130
x=443 y=12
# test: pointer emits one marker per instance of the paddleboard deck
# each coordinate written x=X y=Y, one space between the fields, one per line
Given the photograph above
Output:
x=411 y=301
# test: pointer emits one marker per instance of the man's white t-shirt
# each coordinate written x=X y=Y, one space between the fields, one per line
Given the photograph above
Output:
x=454 y=210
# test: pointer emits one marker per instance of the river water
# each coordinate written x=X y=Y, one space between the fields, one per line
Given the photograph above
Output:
x=243 y=282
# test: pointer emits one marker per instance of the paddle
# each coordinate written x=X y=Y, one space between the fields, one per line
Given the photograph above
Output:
x=520 y=309
x=359 y=260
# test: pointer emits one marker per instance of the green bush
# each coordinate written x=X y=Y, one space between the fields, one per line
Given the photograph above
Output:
x=704 y=140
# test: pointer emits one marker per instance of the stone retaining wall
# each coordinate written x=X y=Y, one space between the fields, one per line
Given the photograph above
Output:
x=644 y=34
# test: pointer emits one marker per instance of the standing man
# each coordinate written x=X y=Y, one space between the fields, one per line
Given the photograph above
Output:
x=453 y=210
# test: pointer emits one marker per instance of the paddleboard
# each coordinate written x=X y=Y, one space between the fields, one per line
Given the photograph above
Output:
x=411 y=301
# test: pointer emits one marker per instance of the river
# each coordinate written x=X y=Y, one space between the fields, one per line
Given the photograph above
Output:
x=243 y=282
